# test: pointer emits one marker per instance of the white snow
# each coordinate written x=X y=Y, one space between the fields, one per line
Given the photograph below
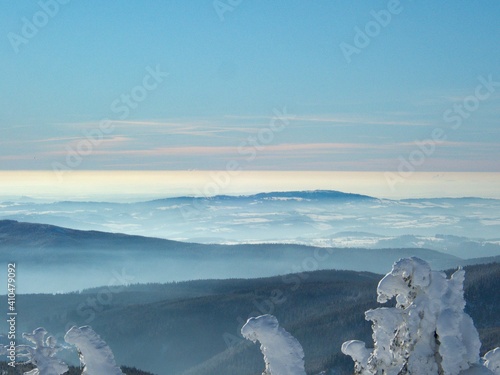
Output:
x=427 y=332
x=357 y=350
x=298 y=199
x=282 y=352
x=42 y=355
x=95 y=354
x=492 y=361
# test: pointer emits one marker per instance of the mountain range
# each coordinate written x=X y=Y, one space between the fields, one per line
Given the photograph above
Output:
x=464 y=227
x=84 y=259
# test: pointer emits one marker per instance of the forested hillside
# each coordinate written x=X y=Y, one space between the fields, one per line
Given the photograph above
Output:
x=192 y=328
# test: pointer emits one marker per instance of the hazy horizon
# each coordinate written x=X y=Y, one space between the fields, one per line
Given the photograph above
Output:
x=124 y=186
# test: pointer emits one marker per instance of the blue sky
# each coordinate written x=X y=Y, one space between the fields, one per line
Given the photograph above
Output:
x=223 y=82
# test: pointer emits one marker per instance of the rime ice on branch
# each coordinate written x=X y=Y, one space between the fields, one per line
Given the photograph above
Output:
x=95 y=354
x=282 y=352
x=427 y=332
x=42 y=355
x=492 y=361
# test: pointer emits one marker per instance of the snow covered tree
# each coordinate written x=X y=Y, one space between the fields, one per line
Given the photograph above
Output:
x=283 y=354
x=492 y=361
x=426 y=333
x=95 y=354
x=42 y=355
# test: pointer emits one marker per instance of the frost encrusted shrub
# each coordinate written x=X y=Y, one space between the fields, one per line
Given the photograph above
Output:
x=95 y=355
x=492 y=361
x=426 y=333
x=42 y=354
x=283 y=354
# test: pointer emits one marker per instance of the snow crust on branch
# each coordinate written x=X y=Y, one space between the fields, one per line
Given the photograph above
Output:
x=42 y=354
x=95 y=354
x=492 y=361
x=283 y=354
x=426 y=333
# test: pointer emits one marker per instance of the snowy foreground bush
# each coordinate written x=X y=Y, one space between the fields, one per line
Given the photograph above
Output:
x=426 y=333
x=282 y=352
x=95 y=355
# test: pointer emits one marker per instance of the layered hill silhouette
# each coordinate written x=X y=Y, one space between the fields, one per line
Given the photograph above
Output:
x=97 y=254
x=28 y=237
x=191 y=328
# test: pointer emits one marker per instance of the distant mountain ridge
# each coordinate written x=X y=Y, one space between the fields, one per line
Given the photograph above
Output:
x=303 y=194
x=49 y=251
x=464 y=227
x=21 y=234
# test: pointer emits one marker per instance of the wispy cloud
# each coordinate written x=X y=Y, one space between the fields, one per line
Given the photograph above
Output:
x=355 y=120
x=212 y=128
x=341 y=120
x=314 y=148
x=16 y=157
x=52 y=140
